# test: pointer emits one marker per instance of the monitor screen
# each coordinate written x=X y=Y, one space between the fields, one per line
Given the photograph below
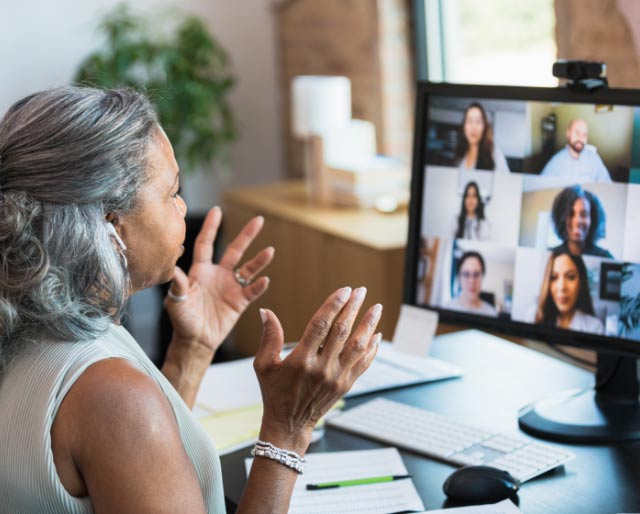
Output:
x=523 y=212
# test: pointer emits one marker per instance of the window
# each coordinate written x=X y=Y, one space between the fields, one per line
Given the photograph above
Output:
x=487 y=41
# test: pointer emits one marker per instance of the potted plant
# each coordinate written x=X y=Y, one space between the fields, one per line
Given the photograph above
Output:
x=186 y=74
x=184 y=71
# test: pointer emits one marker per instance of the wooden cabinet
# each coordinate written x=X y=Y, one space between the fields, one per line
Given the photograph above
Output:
x=318 y=249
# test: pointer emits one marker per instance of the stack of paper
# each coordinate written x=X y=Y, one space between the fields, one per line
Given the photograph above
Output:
x=375 y=498
x=389 y=369
x=392 y=368
x=360 y=182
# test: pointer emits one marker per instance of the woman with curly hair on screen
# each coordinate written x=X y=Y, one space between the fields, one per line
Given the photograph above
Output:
x=579 y=220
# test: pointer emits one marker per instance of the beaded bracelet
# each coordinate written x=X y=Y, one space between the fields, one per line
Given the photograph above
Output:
x=285 y=457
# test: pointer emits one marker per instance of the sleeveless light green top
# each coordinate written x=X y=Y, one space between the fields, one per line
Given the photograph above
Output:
x=31 y=393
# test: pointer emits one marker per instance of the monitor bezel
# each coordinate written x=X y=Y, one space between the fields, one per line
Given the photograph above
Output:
x=629 y=97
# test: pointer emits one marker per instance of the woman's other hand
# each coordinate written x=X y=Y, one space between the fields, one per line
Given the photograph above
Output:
x=213 y=300
x=298 y=390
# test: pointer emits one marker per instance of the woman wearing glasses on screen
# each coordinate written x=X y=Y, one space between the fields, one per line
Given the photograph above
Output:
x=565 y=301
x=471 y=222
x=470 y=272
x=476 y=149
x=579 y=220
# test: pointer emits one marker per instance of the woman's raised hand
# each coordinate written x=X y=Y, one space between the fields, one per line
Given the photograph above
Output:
x=211 y=297
x=298 y=390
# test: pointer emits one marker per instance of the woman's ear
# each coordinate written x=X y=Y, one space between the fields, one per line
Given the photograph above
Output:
x=112 y=221
x=112 y=218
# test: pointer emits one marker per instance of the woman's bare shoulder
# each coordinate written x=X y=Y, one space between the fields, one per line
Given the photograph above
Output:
x=116 y=439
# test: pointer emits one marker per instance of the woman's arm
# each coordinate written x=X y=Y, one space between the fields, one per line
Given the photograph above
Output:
x=115 y=439
x=184 y=366
x=213 y=302
x=300 y=389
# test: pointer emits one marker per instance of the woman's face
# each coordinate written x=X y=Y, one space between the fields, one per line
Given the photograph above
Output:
x=473 y=126
x=471 y=200
x=564 y=284
x=471 y=278
x=154 y=231
x=579 y=221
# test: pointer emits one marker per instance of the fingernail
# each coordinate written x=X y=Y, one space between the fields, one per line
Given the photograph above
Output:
x=361 y=292
x=377 y=310
x=344 y=294
x=377 y=338
x=263 y=316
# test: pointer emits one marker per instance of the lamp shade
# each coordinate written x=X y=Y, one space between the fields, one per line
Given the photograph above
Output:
x=320 y=104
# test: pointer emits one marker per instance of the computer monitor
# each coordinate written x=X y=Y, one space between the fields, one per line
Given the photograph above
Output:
x=524 y=214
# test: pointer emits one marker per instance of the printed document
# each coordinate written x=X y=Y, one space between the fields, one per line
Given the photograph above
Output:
x=389 y=369
x=380 y=498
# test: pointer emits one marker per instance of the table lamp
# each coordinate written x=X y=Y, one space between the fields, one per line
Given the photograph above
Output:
x=320 y=105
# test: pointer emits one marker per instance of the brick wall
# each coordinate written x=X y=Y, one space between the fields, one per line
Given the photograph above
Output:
x=368 y=41
x=602 y=30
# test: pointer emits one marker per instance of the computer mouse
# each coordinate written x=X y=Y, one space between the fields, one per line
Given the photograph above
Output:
x=480 y=484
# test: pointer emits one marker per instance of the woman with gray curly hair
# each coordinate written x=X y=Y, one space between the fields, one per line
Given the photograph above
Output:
x=90 y=213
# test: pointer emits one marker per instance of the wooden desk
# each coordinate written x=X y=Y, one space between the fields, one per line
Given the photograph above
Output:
x=499 y=378
x=318 y=250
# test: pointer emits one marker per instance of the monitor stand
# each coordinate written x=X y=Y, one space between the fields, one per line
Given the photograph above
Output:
x=608 y=413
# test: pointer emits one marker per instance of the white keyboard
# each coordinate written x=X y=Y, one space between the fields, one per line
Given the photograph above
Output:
x=445 y=439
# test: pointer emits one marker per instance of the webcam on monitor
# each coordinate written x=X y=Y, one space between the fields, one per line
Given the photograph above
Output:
x=582 y=76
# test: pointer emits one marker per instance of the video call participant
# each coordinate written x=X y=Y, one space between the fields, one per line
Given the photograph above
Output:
x=564 y=300
x=476 y=149
x=579 y=220
x=470 y=222
x=576 y=161
x=470 y=272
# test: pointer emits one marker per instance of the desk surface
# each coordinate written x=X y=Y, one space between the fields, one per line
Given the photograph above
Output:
x=500 y=378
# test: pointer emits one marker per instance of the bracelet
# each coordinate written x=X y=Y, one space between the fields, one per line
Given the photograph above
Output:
x=285 y=457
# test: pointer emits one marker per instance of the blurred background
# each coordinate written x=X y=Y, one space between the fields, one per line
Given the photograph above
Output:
x=381 y=46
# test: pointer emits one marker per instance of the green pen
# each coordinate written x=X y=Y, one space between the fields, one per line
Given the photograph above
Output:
x=357 y=481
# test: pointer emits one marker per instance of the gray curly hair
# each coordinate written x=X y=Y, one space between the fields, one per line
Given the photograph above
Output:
x=69 y=157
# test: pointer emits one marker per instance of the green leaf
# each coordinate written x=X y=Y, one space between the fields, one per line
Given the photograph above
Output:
x=184 y=71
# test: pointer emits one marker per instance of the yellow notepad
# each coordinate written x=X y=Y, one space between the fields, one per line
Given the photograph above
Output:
x=237 y=428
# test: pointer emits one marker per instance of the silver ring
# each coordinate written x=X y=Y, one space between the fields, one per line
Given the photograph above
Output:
x=240 y=279
x=175 y=298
